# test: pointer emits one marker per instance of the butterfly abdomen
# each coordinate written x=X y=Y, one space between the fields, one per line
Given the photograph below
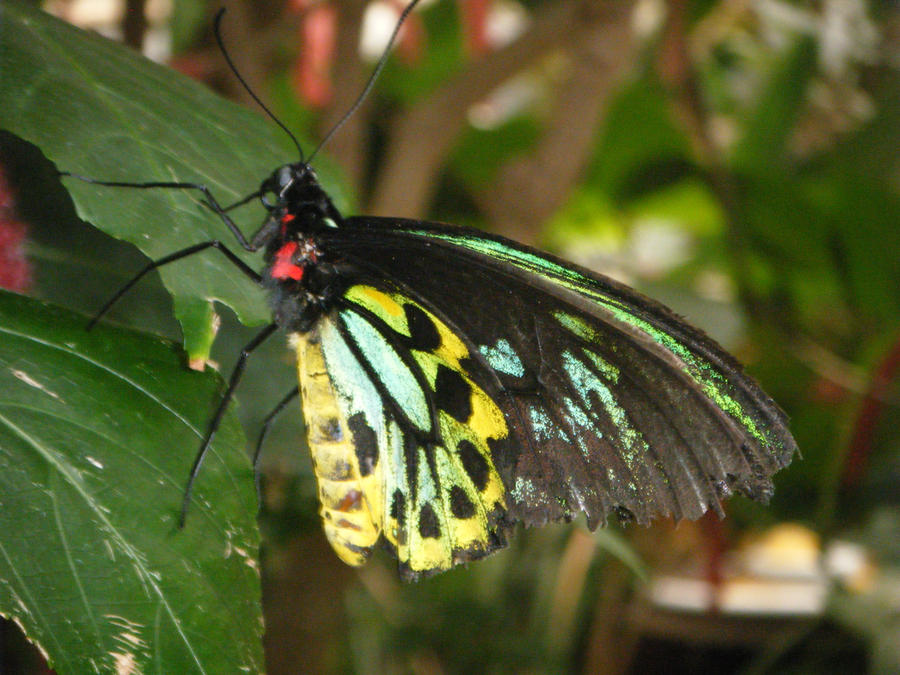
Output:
x=345 y=459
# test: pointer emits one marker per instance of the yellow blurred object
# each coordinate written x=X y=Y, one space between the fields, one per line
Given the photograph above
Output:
x=785 y=550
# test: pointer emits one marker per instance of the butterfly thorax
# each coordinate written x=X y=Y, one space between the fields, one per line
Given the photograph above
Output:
x=301 y=280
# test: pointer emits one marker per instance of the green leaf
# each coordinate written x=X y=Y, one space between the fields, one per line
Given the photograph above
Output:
x=97 y=434
x=638 y=131
x=763 y=145
x=99 y=110
x=618 y=546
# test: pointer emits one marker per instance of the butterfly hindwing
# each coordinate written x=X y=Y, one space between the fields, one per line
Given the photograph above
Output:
x=425 y=480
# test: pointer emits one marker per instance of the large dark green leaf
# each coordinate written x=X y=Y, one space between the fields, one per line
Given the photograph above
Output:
x=98 y=109
x=97 y=433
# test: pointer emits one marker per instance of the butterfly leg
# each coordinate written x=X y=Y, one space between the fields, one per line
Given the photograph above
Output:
x=208 y=201
x=216 y=420
x=262 y=436
x=172 y=257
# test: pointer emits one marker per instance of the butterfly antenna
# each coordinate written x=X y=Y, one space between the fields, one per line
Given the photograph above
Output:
x=218 y=33
x=372 y=78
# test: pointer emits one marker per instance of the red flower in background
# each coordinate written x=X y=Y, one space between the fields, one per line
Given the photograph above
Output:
x=312 y=70
x=318 y=29
x=15 y=273
x=474 y=21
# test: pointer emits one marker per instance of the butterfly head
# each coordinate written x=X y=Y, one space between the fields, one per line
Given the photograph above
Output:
x=292 y=194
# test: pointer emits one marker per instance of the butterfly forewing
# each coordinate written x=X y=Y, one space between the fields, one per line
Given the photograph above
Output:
x=577 y=393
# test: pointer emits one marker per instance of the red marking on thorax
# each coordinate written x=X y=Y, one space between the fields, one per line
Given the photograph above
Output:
x=284 y=267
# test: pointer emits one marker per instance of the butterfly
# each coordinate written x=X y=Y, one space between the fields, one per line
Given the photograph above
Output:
x=456 y=383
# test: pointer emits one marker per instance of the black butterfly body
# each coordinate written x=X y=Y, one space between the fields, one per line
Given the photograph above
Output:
x=455 y=383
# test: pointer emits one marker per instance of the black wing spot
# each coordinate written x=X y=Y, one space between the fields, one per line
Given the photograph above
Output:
x=460 y=504
x=453 y=394
x=423 y=333
x=398 y=508
x=339 y=472
x=474 y=463
x=411 y=463
x=365 y=443
x=331 y=429
x=428 y=523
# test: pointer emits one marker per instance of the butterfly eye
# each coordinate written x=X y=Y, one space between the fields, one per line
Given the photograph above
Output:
x=285 y=177
x=273 y=191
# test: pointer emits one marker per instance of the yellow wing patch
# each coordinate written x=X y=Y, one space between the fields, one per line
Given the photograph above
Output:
x=435 y=503
x=351 y=505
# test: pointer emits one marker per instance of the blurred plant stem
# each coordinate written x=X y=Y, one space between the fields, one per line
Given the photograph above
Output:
x=850 y=466
x=408 y=176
